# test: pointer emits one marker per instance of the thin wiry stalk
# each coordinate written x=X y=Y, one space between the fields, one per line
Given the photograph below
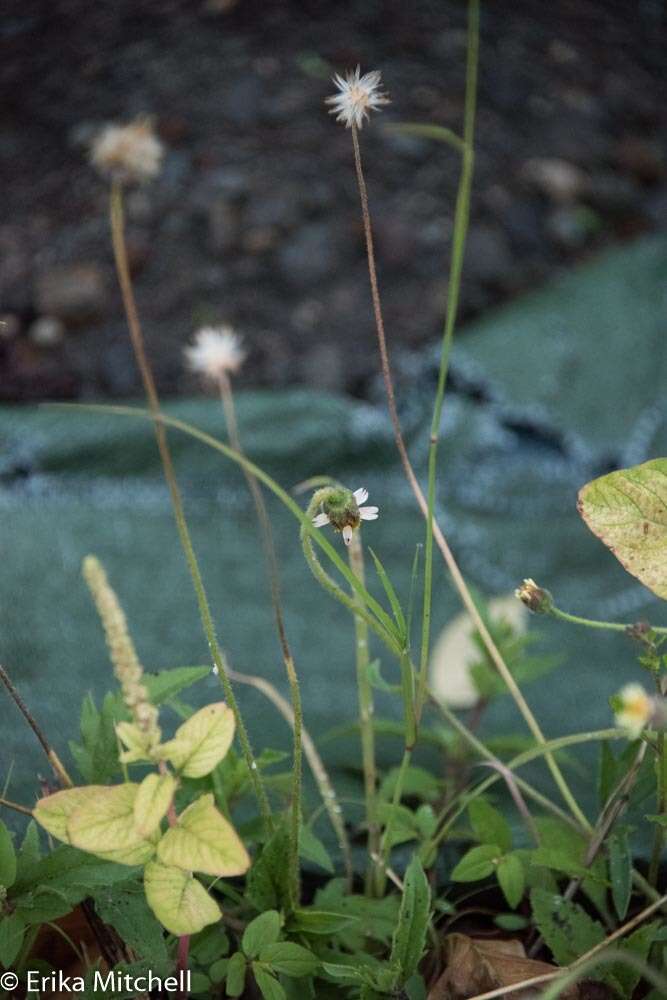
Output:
x=51 y=755
x=365 y=696
x=428 y=513
x=123 y=270
x=274 y=582
x=661 y=790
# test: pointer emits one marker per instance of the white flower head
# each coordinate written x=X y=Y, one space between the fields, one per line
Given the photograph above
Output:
x=216 y=351
x=357 y=96
x=633 y=709
x=341 y=509
x=129 y=154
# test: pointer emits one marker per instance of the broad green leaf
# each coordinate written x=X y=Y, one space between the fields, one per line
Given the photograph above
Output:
x=375 y=918
x=204 y=841
x=167 y=683
x=202 y=742
x=268 y=985
x=511 y=879
x=620 y=871
x=639 y=945
x=178 y=900
x=53 y=812
x=489 y=825
x=12 y=932
x=289 y=959
x=236 y=971
x=124 y=908
x=570 y=847
x=7 y=858
x=627 y=510
x=477 y=863
x=312 y=849
x=103 y=824
x=29 y=853
x=343 y=973
x=566 y=928
x=267 y=882
x=97 y=755
x=318 y=922
x=562 y=861
x=410 y=935
x=263 y=930
x=154 y=796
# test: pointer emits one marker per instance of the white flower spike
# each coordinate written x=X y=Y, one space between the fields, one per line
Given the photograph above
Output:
x=357 y=96
x=216 y=351
x=343 y=511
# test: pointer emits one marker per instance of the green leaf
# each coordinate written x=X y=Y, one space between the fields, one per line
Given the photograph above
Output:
x=153 y=798
x=268 y=985
x=289 y=959
x=510 y=921
x=12 y=932
x=627 y=510
x=410 y=935
x=236 y=975
x=511 y=879
x=263 y=930
x=391 y=594
x=561 y=861
x=377 y=681
x=571 y=847
x=312 y=849
x=202 y=741
x=477 y=863
x=343 y=973
x=374 y=918
x=566 y=928
x=166 y=684
x=124 y=908
x=29 y=853
x=103 y=824
x=620 y=871
x=639 y=945
x=53 y=812
x=178 y=900
x=61 y=880
x=417 y=782
x=204 y=841
x=97 y=755
x=267 y=881
x=319 y=922
x=489 y=825
x=7 y=858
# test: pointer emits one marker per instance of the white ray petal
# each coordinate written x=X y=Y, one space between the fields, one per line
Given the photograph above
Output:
x=347 y=534
x=360 y=495
x=320 y=520
x=368 y=513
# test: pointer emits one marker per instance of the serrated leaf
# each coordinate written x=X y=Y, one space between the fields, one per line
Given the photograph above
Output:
x=639 y=945
x=202 y=741
x=312 y=849
x=268 y=985
x=477 y=863
x=103 y=824
x=289 y=959
x=566 y=928
x=236 y=971
x=204 y=841
x=263 y=930
x=7 y=858
x=178 y=900
x=97 y=755
x=410 y=935
x=489 y=825
x=620 y=871
x=511 y=879
x=627 y=510
x=12 y=932
x=153 y=798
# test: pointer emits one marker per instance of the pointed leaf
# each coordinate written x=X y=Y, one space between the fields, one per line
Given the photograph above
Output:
x=489 y=825
x=263 y=930
x=511 y=879
x=204 y=841
x=627 y=510
x=178 y=900
x=7 y=858
x=104 y=825
x=477 y=863
x=53 y=811
x=202 y=742
x=566 y=928
x=410 y=935
x=289 y=959
x=12 y=932
x=154 y=796
x=236 y=971
x=391 y=594
x=620 y=871
x=268 y=985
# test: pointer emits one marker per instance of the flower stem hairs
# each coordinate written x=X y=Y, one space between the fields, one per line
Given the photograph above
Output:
x=356 y=97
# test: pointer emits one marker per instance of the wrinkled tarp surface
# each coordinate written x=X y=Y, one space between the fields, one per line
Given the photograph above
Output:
x=546 y=394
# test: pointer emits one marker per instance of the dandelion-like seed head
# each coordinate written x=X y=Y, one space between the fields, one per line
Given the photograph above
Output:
x=633 y=709
x=128 y=154
x=357 y=96
x=341 y=509
x=216 y=351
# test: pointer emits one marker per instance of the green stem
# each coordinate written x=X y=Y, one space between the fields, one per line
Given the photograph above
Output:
x=461 y=220
x=123 y=270
x=385 y=849
x=593 y=623
x=661 y=781
x=366 y=709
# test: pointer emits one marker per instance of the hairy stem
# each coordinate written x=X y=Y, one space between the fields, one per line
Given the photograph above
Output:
x=136 y=335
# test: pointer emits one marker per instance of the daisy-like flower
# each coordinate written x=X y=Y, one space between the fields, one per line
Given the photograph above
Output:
x=216 y=351
x=128 y=154
x=357 y=96
x=342 y=510
x=633 y=709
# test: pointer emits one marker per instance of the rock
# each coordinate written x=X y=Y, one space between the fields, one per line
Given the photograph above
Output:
x=488 y=257
x=572 y=226
x=557 y=179
x=614 y=196
x=223 y=226
x=73 y=293
x=322 y=367
x=308 y=256
x=641 y=159
x=46 y=331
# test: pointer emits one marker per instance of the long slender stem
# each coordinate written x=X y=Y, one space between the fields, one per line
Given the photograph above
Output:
x=661 y=783
x=365 y=697
x=16 y=806
x=594 y=623
x=123 y=270
x=440 y=540
x=52 y=757
x=227 y=397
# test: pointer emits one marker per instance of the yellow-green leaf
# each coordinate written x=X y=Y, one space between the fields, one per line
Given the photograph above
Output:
x=53 y=811
x=202 y=741
x=203 y=841
x=178 y=900
x=136 y=741
x=627 y=510
x=154 y=796
x=104 y=825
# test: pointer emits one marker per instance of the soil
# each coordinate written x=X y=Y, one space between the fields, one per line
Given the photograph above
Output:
x=255 y=218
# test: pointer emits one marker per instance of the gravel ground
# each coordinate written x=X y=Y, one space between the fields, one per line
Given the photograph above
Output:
x=255 y=218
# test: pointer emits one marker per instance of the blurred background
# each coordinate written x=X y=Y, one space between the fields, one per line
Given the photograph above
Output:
x=255 y=218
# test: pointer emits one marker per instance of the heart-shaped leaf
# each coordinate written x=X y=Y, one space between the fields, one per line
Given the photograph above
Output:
x=178 y=900
x=202 y=741
x=204 y=841
x=627 y=510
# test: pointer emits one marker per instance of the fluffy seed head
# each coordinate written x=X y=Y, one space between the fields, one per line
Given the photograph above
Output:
x=216 y=351
x=128 y=154
x=357 y=96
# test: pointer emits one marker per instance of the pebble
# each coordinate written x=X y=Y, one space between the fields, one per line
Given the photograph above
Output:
x=73 y=293
x=46 y=331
